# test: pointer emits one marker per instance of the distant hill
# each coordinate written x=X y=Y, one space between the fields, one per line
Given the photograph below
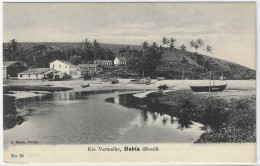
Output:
x=174 y=64
x=69 y=45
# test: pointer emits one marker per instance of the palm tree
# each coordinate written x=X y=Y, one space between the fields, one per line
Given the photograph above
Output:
x=192 y=44
x=96 y=47
x=196 y=46
x=183 y=47
x=86 y=44
x=173 y=40
x=154 y=45
x=165 y=41
x=209 y=50
x=172 y=46
x=200 y=42
x=145 y=45
x=13 y=45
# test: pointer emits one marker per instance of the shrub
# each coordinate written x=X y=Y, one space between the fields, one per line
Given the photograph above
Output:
x=66 y=77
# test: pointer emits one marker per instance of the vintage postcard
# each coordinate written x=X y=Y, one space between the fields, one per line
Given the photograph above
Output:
x=161 y=83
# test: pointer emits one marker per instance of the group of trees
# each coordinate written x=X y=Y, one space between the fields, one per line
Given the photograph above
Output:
x=198 y=44
x=142 y=61
x=41 y=55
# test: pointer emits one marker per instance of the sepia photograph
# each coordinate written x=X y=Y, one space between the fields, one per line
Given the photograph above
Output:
x=129 y=78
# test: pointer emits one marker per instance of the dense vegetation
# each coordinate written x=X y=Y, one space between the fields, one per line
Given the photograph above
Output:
x=224 y=120
x=151 y=60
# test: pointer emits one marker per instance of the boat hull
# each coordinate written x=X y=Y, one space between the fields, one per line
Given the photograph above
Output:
x=215 y=88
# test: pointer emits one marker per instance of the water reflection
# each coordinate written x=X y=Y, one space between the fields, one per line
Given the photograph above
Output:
x=155 y=109
x=84 y=117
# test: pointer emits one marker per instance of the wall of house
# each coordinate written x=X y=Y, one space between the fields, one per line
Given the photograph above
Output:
x=105 y=63
x=116 y=61
x=74 y=72
x=30 y=76
x=4 y=73
x=60 y=66
x=13 y=70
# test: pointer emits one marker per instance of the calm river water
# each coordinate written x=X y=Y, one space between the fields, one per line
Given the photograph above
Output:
x=107 y=117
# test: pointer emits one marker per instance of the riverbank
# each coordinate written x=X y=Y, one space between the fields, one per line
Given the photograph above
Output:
x=226 y=118
x=239 y=87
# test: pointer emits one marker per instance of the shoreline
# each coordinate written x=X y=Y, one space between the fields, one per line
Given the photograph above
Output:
x=185 y=104
x=124 y=84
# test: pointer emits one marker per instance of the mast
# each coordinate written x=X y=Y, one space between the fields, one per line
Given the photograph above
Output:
x=209 y=80
x=222 y=76
x=182 y=75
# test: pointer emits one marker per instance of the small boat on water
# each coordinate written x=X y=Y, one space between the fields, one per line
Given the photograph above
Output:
x=84 y=86
x=209 y=88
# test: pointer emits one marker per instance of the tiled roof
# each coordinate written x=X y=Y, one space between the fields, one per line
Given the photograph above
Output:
x=9 y=63
x=65 y=62
x=36 y=71
x=103 y=60
x=87 y=65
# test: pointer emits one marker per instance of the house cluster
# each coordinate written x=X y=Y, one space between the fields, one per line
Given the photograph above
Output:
x=57 y=69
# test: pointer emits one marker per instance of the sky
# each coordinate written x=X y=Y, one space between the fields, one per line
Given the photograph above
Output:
x=230 y=28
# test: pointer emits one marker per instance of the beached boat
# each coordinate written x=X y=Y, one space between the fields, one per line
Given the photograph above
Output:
x=135 y=80
x=209 y=88
x=84 y=86
x=163 y=87
x=115 y=81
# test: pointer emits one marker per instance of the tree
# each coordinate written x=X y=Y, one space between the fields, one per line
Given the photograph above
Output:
x=145 y=45
x=11 y=50
x=150 y=61
x=165 y=41
x=209 y=50
x=183 y=47
x=86 y=44
x=13 y=45
x=96 y=47
x=196 y=46
x=154 y=45
x=200 y=42
x=172 y=45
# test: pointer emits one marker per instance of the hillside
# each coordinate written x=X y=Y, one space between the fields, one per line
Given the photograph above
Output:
x=69 y=45
x=174 y=63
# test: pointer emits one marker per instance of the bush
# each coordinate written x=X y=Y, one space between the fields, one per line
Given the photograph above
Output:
x=66 y=77
x=216 y=113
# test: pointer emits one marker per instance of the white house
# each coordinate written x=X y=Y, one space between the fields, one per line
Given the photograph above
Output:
x=103 y=62
x=119 y=61
x=36 y=74
x=66 y=67
x=89 y=69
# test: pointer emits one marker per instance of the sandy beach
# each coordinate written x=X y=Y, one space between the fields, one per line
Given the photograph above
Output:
x=235 y=88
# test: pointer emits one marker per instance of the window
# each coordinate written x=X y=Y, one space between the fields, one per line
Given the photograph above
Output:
x=29 y=75
x=53 y=65
x=21 y=75
x=65 y=66
x=60 y=65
